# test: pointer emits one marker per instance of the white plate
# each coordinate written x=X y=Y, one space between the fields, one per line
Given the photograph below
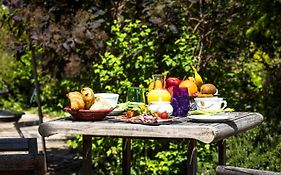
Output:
x=210 y=117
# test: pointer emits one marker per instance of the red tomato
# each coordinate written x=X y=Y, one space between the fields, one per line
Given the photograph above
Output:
x=164 y=115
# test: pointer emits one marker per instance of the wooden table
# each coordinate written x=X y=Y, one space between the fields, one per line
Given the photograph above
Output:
x=207 y=132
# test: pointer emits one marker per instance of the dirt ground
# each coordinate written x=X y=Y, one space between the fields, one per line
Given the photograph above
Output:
x=60 y=159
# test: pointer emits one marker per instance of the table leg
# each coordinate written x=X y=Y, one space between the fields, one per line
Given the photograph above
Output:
x=126 y=156
x=222 y=152
x=16 y=124
x=192 y=157
x=87 y=156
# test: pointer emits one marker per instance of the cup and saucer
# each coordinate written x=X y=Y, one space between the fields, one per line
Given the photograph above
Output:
x=209 y=109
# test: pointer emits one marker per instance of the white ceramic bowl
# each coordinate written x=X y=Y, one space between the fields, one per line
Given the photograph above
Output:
x=111 y=98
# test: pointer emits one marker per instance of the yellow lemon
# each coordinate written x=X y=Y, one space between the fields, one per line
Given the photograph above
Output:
x=158 y=85
x=159 y=95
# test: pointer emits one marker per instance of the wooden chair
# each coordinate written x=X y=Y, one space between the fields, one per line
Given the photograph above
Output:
x=230 y=170
x=20 y=157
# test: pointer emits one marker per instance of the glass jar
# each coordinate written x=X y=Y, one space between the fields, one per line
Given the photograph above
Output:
x=158 y=92
x=159 y=81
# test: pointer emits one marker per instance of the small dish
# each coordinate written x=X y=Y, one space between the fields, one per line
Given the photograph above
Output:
x=88 y=115
x=210 y=117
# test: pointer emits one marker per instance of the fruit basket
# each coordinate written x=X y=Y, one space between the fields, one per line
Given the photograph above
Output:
x=88 y=115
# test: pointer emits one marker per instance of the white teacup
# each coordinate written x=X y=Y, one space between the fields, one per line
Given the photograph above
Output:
x=212 y=103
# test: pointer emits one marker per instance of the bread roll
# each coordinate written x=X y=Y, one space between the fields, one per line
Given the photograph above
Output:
x=208 y=89
x=88 y=97
x=76 y=100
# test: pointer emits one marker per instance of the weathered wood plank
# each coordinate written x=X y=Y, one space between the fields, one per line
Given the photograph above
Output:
x=241 y=122
x=32 y=146
x=230 y=170
x=17 y=162
x=20 y=156
x=205 y=132
x=15 y=144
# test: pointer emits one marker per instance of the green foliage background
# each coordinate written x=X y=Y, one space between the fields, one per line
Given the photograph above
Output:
x=112 y=45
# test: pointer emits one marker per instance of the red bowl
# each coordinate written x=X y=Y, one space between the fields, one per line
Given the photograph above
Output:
x=88 y=115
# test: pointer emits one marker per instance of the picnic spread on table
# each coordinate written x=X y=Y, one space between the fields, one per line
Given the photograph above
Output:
x=169 y=108
x=166 y=99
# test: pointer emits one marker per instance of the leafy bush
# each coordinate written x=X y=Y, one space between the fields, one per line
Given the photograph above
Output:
x=132 y=57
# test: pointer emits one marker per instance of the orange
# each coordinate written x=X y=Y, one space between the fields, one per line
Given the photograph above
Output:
x=192 y=87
